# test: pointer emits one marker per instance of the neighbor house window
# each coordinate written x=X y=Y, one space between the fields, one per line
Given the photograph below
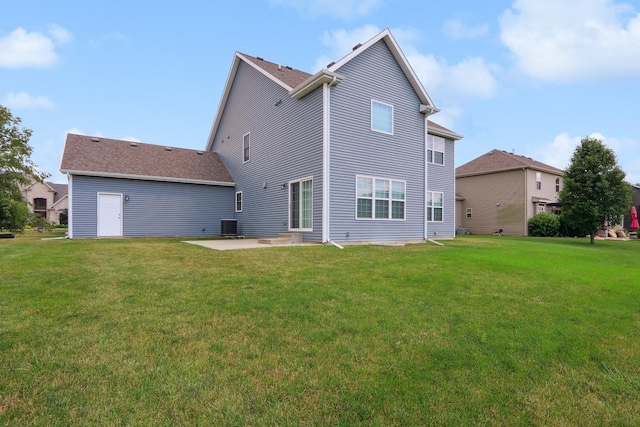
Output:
x=380 y=198
x=435 y=203
x=468 y=212
x=301 y=204
x=381 y=117
x=538 y=180
x=40 y=207
x=246 y=147
x=435 y=150
x=239 y=201
x=557 y=184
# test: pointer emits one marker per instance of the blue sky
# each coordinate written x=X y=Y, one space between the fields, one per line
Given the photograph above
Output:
x=534 y=76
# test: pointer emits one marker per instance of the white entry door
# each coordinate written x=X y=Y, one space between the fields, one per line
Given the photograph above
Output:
x=109 y=215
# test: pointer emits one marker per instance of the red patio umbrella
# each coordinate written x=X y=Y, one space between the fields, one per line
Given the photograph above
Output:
x=634 y=218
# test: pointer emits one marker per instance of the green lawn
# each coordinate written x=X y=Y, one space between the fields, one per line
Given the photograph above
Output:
x=481 y=331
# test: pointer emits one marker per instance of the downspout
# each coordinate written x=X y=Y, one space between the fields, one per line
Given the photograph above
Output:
x=526 y=203
x=427 y=112
x=326 y=159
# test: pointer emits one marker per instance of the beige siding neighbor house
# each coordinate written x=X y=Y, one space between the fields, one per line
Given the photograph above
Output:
x=48 y=200
x=502 y=191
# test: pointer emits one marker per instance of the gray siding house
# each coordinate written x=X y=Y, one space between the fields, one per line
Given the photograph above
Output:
x=128 y=189
x=346 y=154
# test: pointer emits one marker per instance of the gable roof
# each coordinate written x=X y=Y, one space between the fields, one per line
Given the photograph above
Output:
x=501 y=161
x=61 y=190
x=402 y=61
x=85 y=155
x=299 y=83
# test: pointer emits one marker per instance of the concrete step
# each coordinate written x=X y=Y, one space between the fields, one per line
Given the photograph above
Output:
x=282 y=239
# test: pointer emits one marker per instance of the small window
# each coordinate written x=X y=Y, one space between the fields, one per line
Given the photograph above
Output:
x=379 y=198
x=381 y=117
x=246 y=147
x=541 y=207
x=435 y=204
x=40 y=207
x=468 y=212
x=557 y=184
x=435 y=150
x=538 y=180
x=239 y=201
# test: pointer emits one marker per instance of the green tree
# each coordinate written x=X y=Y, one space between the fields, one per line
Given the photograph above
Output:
x=16 y=169
x=595 y=191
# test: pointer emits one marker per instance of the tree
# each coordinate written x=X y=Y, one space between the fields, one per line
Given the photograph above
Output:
x=16 y=169
x=595 y=192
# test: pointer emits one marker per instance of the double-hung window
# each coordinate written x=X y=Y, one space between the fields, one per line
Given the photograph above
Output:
x=435 y=149
x=380 y=198
x=381 y=117
x=538 y=181
x=435 y=203
x=301 y=205
x=246 y=147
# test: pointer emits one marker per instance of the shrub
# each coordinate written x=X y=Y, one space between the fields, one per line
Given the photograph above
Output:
x=544 y=225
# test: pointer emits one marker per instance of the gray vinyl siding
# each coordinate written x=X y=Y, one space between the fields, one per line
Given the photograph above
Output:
x=442 y=178
x=154 y=208
x=286 y=145
x=357 y=150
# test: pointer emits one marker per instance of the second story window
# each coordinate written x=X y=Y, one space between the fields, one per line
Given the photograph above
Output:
x=239 y=201
x=40 y=207
x=557 y=184
x=435 y=149
x=538 y=180
x=246 y=147
x=381 y=117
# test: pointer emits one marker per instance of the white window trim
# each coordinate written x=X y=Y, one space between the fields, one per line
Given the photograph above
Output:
x=431 y=143
x=373 y=199
x=392 y=114
x=239 y=193
x=430 y=219
x=469 y=213
x=301 y=180
x=249 y=148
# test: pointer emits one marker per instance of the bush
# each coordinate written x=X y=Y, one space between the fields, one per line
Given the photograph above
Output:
x=567 y=229
x=544 y=225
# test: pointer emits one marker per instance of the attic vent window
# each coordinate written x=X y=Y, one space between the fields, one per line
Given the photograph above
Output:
x=357 y=46
x=95 y=139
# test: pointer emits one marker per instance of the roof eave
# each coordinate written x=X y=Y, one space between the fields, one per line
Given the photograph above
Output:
x=445 y=134
x=148 y=178
x=314 y=82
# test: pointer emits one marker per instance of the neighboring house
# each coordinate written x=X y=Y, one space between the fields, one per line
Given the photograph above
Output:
x=502 y=191
x=635 y=202
x=346 y=154
x=47 y=200
x=130 y=189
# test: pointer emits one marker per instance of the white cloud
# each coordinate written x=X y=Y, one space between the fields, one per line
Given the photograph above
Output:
x=22 y=49
x=22 y=100
x=565 y=40
x=558 y=153
x=343 y=9
x=456 y=29
x=130 y=138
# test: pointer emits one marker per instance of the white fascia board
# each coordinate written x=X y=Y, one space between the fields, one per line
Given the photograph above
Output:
x=60 y=200
x=314 y=82
x=149 y=178
x=400 y=59
x=450 y=135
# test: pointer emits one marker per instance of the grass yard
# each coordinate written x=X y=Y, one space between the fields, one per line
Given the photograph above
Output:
x=482 y=331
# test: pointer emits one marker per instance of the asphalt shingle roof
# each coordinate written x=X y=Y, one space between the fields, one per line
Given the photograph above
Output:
x=499 y=160
x=289 y=76
x=112 y=157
